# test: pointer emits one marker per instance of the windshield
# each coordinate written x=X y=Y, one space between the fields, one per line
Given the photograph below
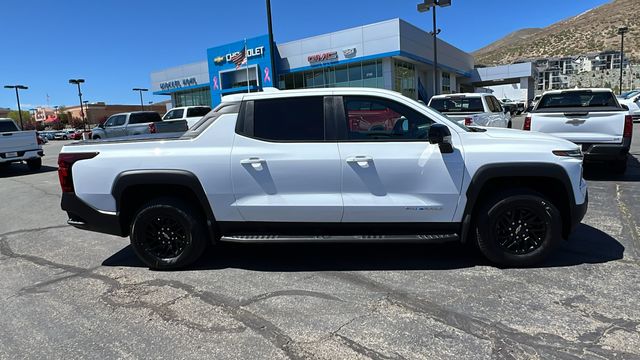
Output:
x=629 y=94
x=577 y=99
x=8 y=126
x=459 y=104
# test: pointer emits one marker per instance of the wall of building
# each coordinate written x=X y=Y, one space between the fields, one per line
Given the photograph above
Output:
x=96 y=114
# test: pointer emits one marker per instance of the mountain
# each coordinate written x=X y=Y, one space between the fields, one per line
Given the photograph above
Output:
x=592 y=31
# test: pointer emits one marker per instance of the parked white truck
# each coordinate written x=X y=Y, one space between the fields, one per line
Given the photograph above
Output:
x=19 y=146
x=298 y=165
x=472 y=109
x=192 y=114
x=591 y=118
x=136 y=123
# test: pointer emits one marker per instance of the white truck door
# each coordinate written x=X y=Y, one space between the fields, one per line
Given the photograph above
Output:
x=394 y=174
x=282 y=168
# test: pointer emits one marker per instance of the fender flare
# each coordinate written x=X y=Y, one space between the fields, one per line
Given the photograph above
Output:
x=493 y=171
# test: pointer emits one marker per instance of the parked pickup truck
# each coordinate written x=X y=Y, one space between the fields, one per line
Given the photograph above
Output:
x=136 y=123
x=591 y=118
x=18 y=146
x=472 y=109
x=290 y=166
x=192 y=114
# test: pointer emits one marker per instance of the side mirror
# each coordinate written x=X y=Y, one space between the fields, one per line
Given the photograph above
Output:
x=101 y=126
x=625 y=107
x=441 y=135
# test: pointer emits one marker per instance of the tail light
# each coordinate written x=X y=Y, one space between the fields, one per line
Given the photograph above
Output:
x=468 y=121
x=527 y=123
x=628 y=127
x=65 y=163
x=152 y=128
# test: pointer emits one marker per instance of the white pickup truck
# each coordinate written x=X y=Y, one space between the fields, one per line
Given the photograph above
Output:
x=591 y=118
x=136 y=123
x=472 y=109
x=19 y=146
x=192 y=114
x=295 y=166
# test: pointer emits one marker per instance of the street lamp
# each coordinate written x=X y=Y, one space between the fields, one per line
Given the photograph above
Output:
x=424 y=7
x=621 y=32
x=271 y=47
x=18 y=87
x=141 y=90
x=78 y=82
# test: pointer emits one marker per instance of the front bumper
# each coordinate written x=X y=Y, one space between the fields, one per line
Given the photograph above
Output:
x=578 y=212
x=83 y=216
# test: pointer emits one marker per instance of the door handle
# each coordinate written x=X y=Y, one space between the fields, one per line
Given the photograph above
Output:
x=256 y=162
x=361 y=160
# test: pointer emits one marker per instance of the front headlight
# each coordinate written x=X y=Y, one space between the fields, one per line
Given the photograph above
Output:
x=575 y=153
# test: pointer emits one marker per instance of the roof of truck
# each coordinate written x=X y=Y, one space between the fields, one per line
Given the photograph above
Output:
x=574 y=90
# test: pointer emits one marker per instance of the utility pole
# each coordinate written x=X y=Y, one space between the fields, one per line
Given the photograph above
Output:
x=18 y=87
x=271 y=45
x=424 y=7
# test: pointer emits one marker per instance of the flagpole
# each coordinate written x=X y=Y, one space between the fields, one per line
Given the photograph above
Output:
x=246 y=58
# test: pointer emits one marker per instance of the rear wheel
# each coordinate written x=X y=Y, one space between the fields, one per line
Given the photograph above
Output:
x=518 y=228
x=168 y=233
x=510 y=125
x=34 y=164
x=96 y=137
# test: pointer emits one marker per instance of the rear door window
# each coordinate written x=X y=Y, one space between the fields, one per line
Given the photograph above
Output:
x=143 y=118
x=289 y=119
x=198 y=112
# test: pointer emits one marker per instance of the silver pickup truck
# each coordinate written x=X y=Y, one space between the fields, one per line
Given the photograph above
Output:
x=18 y=146
x=136 y=123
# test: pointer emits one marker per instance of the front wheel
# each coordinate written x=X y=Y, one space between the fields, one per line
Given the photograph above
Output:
x=509 y=124
x=518 y=228
x=168 y=233
x=96 y=137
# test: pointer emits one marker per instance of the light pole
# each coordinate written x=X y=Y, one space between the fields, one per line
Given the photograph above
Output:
x=78 y=82
x=424 y=7
x=621 y=32
x=271 y=47
x=141 y=90
x=86 y=109
x=18 y=87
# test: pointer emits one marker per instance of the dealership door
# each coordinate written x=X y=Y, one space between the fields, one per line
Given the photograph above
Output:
x=282 y=168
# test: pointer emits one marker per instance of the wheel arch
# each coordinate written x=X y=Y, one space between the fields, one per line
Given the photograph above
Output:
x=131 y=189
x=551 y=180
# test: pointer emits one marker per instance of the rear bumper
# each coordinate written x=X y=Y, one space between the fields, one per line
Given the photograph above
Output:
x=606 y=152
x=83 y=216
x=22 y=156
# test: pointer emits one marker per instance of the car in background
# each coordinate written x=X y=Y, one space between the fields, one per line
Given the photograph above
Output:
x=64 y=134
x=632 y=100
x=42 y=138
x=136 y=123
x=472 y=109
x=192 y=114
x=592 y=118
x=49 y=135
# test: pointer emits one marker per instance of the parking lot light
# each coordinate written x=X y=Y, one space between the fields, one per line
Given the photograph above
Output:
x=141 y=90
x=424 y=7
x=18 y=87
x=78 y=82
x=621 y=32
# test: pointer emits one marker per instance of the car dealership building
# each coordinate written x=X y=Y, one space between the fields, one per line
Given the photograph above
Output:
x=392 y=54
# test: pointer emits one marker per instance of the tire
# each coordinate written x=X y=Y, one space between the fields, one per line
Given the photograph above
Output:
x=34 y=164
x=96 y=137
x=65 y=137
x=542 y=220
x=620 y=166
x=509 y=125
x=169 y=217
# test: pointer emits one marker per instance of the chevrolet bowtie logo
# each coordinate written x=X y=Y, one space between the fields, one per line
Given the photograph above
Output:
x=218 y=60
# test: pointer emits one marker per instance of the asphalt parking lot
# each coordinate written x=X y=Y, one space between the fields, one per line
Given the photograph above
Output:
x=65 y=293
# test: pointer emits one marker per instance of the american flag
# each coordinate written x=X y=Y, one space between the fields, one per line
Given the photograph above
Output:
x=240 y=58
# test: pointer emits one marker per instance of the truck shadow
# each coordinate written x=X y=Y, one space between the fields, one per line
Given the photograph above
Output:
x=21 y=169
x=602 y=172
x=587 y=245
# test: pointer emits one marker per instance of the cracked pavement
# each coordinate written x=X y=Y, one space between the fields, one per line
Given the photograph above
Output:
x=66 y=293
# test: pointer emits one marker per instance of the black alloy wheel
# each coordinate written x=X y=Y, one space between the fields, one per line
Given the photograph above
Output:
x=168 y=233
x=520 y=230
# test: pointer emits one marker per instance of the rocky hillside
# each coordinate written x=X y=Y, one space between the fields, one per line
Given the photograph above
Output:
x=593 y=30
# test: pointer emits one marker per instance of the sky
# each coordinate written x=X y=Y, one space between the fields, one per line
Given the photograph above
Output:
x=114 y=45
